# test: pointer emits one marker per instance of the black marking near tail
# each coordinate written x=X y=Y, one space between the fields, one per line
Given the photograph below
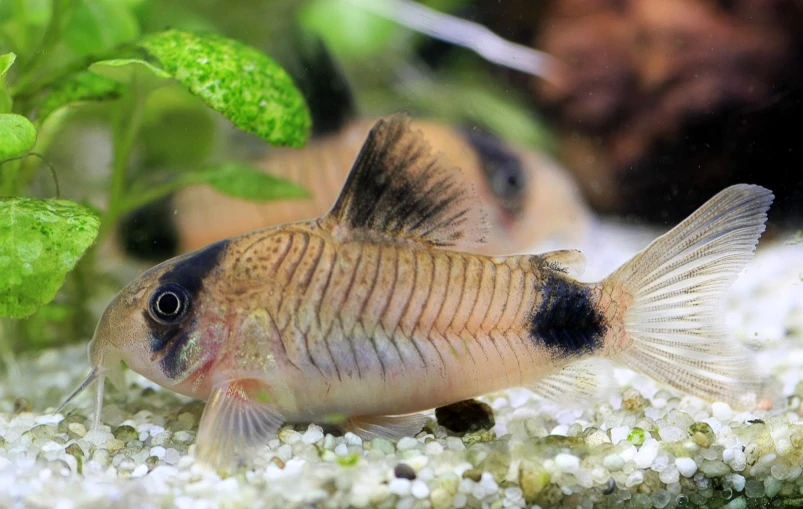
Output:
x=567 y=321
x=503 y=169
x=149 y=233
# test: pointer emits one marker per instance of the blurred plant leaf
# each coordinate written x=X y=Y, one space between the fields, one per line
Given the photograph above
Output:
x=178 y=130
x=6 y=61
x=243 y=84
x=350 y=32
x=243 y=181
x=42 y=240
x=17 y=135
x=147 y=76
x=78 y=88
x=97 y=25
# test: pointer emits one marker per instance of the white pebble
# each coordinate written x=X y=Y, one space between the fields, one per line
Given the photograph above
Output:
x=419 y=489
x=171 y=456
x=669 y=475
x=352 y=439
x=312 y=435
x=158 y=451
x=686 y=466
x=567 y=463
x=672 y=434
x=400 y=487
x=722 y=411
x=433 y=448
x=407 y=443
x=140 y=471
x=738 y=482
x=619 y=433
x=613 y=462
x=342 y=450
x=646 y=455
x=634 y=479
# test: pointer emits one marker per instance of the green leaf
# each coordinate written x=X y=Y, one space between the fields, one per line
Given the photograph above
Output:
x=145 y=75
x=352 y=33
x=243 y=84
x=78 y=88
x=17 y=135
x=243 y=181
x=5 y=98
x=40 y=241
x=5 y=63
x=97 y=25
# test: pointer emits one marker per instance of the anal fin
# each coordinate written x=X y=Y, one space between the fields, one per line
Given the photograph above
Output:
x=392 y=427
x=576 y=383
x=237 y=418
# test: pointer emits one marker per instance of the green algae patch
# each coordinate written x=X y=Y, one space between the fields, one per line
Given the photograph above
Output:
x=17 y=135
x=40 y=241
x=243 y=84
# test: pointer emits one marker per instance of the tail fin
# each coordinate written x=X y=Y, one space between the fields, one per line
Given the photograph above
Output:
x=675 y=324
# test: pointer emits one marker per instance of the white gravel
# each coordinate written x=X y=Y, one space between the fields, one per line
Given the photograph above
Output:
x=645 y=447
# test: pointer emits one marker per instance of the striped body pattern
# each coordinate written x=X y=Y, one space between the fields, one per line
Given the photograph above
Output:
x=382 y=321
x=377 y=311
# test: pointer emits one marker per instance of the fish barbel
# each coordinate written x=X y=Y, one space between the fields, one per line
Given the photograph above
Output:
x=374 y=312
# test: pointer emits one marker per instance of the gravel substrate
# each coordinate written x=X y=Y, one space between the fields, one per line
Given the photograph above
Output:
x=646 y=447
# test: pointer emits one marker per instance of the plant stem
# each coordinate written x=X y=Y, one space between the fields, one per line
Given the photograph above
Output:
x=125 y=128
x=51 y=36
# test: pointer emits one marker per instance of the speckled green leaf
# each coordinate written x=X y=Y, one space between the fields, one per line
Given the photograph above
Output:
x=17 y=135
x=40 y=241
x=97 y=25
x=81 y=87
x=147 y=76
x=243 y=84
x=243 y=181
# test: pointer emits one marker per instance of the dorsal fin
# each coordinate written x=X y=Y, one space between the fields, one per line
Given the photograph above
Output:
x=398 y=189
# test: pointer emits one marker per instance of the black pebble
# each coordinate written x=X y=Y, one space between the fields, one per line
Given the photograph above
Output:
x=465 y=416
x=404 y=471
x=610 y=487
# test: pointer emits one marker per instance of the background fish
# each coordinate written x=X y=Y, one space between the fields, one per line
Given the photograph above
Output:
x=374 y=312
x=528 y=197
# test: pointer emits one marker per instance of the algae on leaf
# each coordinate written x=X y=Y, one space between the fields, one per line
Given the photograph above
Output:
x=243 y=84
x=17 y=135
x=42 y=240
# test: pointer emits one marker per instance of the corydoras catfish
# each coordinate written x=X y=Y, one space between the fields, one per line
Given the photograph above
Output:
x=374 y=313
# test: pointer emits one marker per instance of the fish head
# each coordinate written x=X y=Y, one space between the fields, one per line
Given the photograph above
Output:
x=166 y=325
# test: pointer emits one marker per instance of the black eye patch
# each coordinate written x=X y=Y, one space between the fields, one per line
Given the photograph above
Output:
x=502 y=167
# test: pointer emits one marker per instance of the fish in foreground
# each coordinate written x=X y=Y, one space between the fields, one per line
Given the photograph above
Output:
x=373 y=312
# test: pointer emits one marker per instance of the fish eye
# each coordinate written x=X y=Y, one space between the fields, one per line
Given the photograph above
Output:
x=507 y=181
x=169 y=303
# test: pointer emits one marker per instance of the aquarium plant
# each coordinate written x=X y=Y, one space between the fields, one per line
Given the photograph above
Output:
x=58 y=57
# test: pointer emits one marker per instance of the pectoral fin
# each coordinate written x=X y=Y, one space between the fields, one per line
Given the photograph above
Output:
x=392 y=427
x=237 y=418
